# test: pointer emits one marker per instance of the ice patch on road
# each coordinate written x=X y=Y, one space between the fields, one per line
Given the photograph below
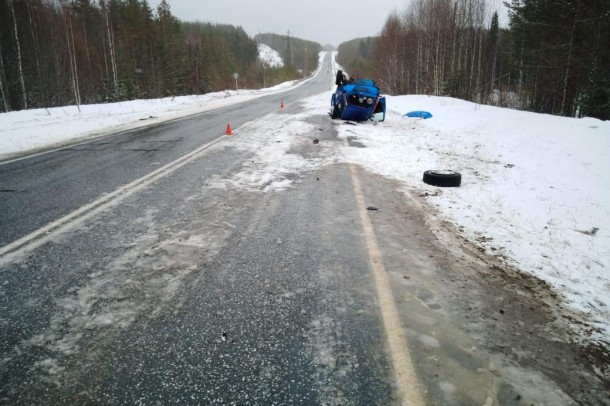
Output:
x=145 y=281
x=326 y=351
x=276 y=163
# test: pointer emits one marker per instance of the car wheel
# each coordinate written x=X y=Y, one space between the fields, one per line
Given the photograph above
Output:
x=339 y=110
x=335 y=113
x=443 y=178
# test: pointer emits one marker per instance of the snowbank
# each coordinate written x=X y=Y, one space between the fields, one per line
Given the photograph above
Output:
x=269 y=56
x=29 y=130
x=535 y=188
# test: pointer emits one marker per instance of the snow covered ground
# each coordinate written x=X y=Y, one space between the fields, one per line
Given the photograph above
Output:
x=535 y=188
x=270 y=56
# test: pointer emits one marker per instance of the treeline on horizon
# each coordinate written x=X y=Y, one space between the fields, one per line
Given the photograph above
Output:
x=60 y=52
x=553 y=58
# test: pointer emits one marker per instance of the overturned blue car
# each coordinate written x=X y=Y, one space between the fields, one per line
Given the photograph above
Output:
x=357 y=100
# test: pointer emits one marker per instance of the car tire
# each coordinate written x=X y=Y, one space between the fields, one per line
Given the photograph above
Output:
x=339 y=78
x=339 y=108
x=335 y=113
x=442 y=178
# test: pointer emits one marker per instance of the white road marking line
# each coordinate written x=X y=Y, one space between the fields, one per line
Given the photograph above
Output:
x=25 y=244
x=408 y=387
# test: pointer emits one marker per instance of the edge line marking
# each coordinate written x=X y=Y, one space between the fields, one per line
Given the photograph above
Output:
x=408 y=386
x=38 y=237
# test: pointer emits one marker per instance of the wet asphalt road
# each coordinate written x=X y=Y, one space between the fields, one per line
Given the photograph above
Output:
x=35 y=191
x=227 y=298
x=200 y=289
x=186 y=293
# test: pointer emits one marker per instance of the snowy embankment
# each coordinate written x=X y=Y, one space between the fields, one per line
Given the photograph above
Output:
x=28 y=130
x=535 y=188
x=269 y=56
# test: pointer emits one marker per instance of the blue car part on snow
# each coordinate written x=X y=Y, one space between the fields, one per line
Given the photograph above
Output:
x=419 y=114
x=357 y=100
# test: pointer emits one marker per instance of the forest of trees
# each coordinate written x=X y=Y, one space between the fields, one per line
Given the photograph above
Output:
x=554 y=57
x=60 y=52
x=296 y=52
x=356 y=55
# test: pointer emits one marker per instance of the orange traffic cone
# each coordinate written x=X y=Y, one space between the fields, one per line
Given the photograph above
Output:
x=229 y=132
x=282 y=104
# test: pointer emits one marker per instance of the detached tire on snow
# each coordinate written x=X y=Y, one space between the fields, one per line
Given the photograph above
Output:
x=443 y=178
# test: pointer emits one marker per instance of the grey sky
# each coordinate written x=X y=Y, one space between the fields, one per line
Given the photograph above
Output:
x=323 y=21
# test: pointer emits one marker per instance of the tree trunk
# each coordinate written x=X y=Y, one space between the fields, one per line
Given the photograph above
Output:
x=454 y=35
x=471 y=77
x=567 y=74
x=521 y=73
x=19 y=62
x=479 y=88
x=592 y=105
x=115 y=77
x=72 y=55
x=77 y=85
x=87 y=46
x=36 y=52
x=2 y=83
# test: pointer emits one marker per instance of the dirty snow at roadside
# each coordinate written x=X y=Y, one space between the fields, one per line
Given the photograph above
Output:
x=535 y=188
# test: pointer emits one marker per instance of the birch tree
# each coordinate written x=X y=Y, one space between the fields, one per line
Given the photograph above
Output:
x=66 y=12
x=19 y=61
x=2 y=83
x=111 y=49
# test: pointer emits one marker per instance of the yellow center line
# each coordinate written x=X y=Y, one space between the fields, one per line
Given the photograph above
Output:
x=408 y=387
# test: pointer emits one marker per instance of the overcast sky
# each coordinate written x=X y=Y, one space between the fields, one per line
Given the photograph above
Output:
x=324 y=21
x=321 y=21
